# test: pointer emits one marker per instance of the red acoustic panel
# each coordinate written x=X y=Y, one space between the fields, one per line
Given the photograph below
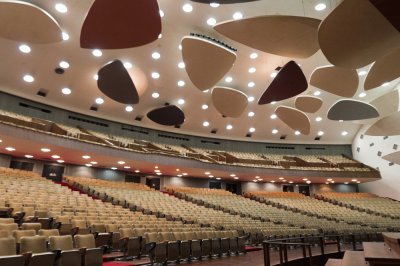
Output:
x=121 y=24
x=169 y=115
x=289 y=82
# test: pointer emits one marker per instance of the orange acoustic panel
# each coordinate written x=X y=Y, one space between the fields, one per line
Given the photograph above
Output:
x=356 y=34
x=120 y=24
x=350 y=110
x=339 y=81
x=383 y=70
x=289 y=36
x=206 y=62
x=115 y=82
x=229 y=102
x=289 y=82
x=308 y=104
x=387 y=126
x=388 y=103
x=169 y=115
x=294 y=119
x=25 y=22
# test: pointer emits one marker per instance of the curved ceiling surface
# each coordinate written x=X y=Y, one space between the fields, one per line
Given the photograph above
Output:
x=158 y=71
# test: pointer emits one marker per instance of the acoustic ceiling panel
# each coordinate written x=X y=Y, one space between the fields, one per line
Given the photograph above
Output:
x=352 y=39
x=121 y=24
x=206 y=62
x=289 y=36
x=289 y=82
x=24 y=22
x=115 y=82
x=294 y=118
x=383 y=70
x=390 y=10
x=308 y=104
x=393 y=157
x=169 y=115
x=229 y=102
x=349 y=110
x=388 y=103
x=387 y=126
x=223 y=1
x=339 y=81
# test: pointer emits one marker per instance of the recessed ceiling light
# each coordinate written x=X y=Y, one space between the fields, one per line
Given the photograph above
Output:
x=162 y=13
x=97 y=52
x=228 y=79
x=28 y=156
x=24 y=48
x=156 y=55
x=181 y=101
x=185 y=174
x=114 y=168
x=206 y=91
x=385 y=84
x=10 y=149
x=290 y=182
x=297 y=133
x=65 y=36
x=55 y=156
x=354 y=180
x=218 y=178
x=362 y=95
x=66 y=91
x=60 y=161
x=86 y=157
x=128 y=65
x=155 y=95
x=180 y=46
x=137 y=171
x=156 y=167
x=232 y=175
x=346 y=183
x=187 y=8
x=305 y=179
x=94 y=162
x=229 y=127
x=99 y=100
x=121 y=162
x=273 y=102
x=129 y=108
x=272 y=181
x=362 y=73
x=344 y=133
x=236 y=177
x=211 y=21
x=251 y=84
x=281 y=178
x=29 y=78
x=250 y=114
x=160 y=36
x=214 y=4
x=237 y=15
x=207 y=173
x=252 y=129
x=273 y=74
x=96 y=77
x=181 y=65
x=206 y=124
x=64 y=64
x=204 y=107
x=316 y=93
x=155 y=75
x=61 y=8
x=181 y=83
x=320 y=7
x=320 y=133
x=253 y=55
x=273 y=116
x=45 y=150
x=275 y=131
x=318 y=119
x=341 y=121
x=88 y=165
x=250 y=99
x=252 y=70
x=127 y=167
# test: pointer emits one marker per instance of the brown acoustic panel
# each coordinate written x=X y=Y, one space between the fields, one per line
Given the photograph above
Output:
x=24 y=22
x=169 y=115
x=222 y=2
x=294 y=119
x=206 y=62
x=339 y=81
x=390 y=10
x=383 y=70
x=289 y=36
x=120 y=24
x=356 y=34
x=387 y=126
x=308 y=104
x=115 y=82
x=289 y=82
x=393 y=157
x=388 y=103
x=350 y=110
x=229 y=102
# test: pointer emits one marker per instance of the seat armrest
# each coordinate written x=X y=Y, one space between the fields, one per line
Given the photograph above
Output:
x=149 y=247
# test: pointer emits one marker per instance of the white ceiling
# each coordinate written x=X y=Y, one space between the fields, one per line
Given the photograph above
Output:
x=43 y=59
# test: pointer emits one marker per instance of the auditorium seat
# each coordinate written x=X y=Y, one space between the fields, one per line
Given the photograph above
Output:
x=31 y=226
x=48 y=233
x=92 y=255
x=37 y=246
x=8 y=253
x=68 y=256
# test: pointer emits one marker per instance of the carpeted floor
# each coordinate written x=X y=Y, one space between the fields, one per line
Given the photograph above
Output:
x=112 y=263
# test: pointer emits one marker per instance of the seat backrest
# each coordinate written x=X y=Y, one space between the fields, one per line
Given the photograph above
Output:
x=98 y=227
x=166 y=236
x=151 y=237
x=31 y=226
x=34 y=244
x=63 y=219
x=7 y=246
x=61 y=242
x=139 y=231
x=112 y=228
x=18 y=234
x=41 y=214
x=6 y=220
x=4 y=233
x=79 y=223
x=48 y=232
x=29 y=211
x=85 y=241
x=9 y=227
x=126 y=232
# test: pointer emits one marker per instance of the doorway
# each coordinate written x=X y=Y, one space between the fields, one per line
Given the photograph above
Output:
x=288 y=188
x=53 y=172
x=305 y=190
x=153 y=182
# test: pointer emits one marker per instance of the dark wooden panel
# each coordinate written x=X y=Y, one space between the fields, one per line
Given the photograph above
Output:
x=349 y=110
x=170 y=115
x=390 y=10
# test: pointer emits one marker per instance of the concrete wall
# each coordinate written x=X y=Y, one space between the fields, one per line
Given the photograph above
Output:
x=5 y=160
